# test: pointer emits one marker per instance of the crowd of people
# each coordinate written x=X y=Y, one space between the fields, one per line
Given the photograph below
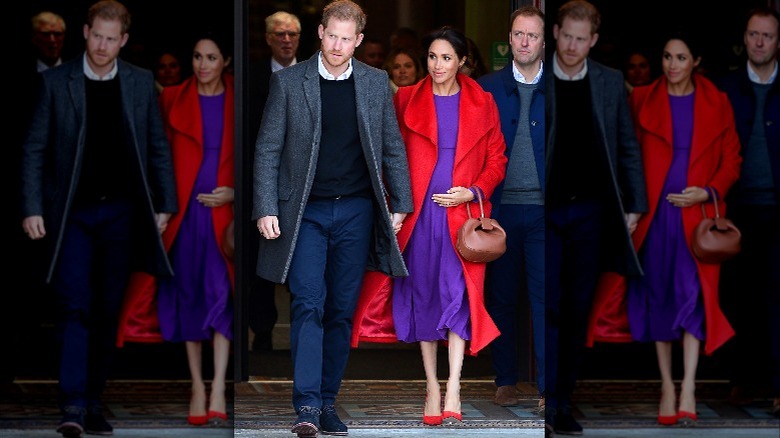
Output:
x=367 y=159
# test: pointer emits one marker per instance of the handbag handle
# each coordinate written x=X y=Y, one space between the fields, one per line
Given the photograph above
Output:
x=486 y=223
x=720 y=223
x=714 y=201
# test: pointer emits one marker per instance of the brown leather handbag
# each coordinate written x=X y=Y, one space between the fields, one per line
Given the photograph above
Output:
x=715 y=239
x=480 y=239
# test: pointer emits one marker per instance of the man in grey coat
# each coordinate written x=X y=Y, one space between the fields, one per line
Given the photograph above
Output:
x=98 y=188
x=331 y=187
x=595 y=194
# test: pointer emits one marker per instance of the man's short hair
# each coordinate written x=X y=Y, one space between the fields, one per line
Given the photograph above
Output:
x=345 y=10
x=109 y=10
x=46 y=17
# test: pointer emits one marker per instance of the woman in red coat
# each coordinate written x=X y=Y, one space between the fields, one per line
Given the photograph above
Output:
x=454 y=141
x=196 y=305
x=690 y=148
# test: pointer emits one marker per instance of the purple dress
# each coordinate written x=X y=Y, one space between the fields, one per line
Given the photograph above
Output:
x=197 y=301
x=667 y=300
x=432 y=300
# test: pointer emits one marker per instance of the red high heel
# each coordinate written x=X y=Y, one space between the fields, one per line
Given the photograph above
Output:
x=449 y=416
x=197 y=420
x=687 y=418
x=667 y=420
x=217 y=418
x=430 y=420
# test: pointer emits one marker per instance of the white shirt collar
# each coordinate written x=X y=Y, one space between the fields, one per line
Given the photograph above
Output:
x=520 y=78
x=42 y=65
x=276 y=66
x=94 y=76
x=558 y=71
x=754 y=77
x=326 y=74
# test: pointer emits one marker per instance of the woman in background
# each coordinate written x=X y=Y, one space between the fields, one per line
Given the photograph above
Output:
x=403 y=67
x=167 y=71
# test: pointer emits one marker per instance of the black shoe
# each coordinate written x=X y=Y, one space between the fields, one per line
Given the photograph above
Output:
x=95 y=423
x=308 y=422
x=565 y=424
x=331 y=423
x=72 y=423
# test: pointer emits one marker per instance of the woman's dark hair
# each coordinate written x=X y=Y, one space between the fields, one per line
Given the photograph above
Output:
x=453 y=36
x=686 y=37
x=224 y=44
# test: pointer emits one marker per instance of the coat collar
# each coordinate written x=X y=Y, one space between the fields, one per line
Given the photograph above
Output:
x=472 y=113
x=189 y=122
x=709 y=117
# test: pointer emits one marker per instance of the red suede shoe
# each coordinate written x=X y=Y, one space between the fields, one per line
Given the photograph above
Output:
x=216 y=418
x=430 y=420
x=668 y=420
x=687 y=418
x=450 y=417
x=197 y=420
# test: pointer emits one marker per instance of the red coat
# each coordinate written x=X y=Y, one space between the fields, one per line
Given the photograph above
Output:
x=479 y=160
x=184 y=128
x=714 y=161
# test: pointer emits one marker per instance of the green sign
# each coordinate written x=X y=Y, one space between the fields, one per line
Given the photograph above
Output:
x=499 y=55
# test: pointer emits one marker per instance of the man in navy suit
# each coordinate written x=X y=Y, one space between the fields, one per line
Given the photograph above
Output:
x=98 y=186
x=750 y=282
x=331 y=188
x=518 y=202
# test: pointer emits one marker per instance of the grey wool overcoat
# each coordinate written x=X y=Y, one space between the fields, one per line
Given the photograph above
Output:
x=286 y=160
x=54 y=154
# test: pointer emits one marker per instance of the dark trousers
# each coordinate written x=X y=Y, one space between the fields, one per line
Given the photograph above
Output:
x=90 y=280
x=750 y=297
x=325 y=277
x=262 y=314
x=572 y=253
x=522 y=261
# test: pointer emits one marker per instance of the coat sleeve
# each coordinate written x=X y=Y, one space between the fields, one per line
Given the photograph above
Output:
x=495 y=163
x=630 y=170
x=730 y=160
x=395 y=166
x=268 y=151
x=160 y=161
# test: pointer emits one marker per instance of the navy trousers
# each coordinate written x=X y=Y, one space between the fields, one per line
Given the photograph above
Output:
x=572 y=254
x=750 y=297
x=90 y=281
x=523 y=260
x=327 y=270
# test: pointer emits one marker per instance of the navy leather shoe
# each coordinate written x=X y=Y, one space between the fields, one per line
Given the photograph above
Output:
x=72 y=423
x=565 y=424
x=330 y=423
x=95 y=423
x=308 y=422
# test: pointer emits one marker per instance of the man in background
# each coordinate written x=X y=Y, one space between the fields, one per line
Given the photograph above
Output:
x=750 y=292
x=518 y=202
x=282 y=34
x=372 y=52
